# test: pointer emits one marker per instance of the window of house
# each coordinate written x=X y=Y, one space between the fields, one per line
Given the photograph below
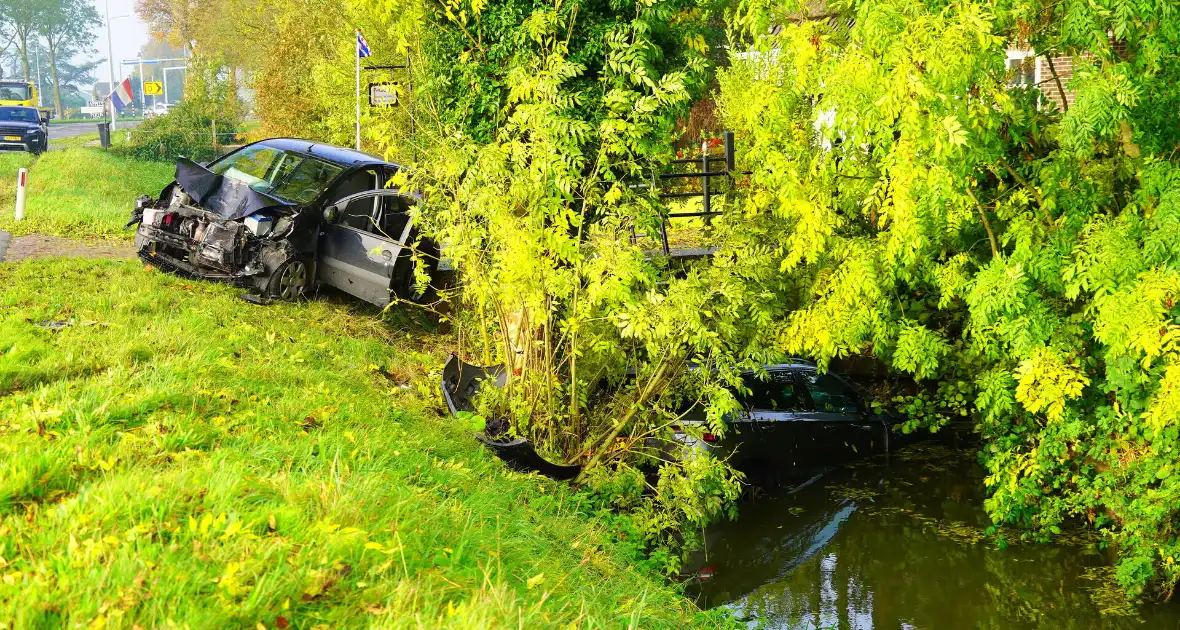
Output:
x=1022 y=68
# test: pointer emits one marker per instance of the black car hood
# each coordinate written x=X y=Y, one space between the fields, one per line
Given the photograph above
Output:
x=20 y=124
x=227 y=198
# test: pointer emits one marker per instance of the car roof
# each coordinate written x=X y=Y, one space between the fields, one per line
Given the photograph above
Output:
x=337 y=155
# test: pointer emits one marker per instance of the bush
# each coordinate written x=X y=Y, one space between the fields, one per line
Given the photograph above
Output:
x=185 y=130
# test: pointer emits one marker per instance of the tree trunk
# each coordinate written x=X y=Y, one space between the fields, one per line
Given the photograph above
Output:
x=53 y=75
x=24 y=54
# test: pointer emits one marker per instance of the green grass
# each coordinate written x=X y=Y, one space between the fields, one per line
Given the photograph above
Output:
x=175 y=456
x=73 y=141
x=78 y=193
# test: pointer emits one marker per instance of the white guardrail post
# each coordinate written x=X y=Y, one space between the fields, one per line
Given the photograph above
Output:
x=22 y=180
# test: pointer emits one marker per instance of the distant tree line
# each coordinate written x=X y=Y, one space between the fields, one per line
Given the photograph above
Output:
x=62 y=29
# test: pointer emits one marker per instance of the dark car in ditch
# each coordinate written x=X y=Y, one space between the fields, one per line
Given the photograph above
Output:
x=283 y=216
x=23 y=129
x=793 y=415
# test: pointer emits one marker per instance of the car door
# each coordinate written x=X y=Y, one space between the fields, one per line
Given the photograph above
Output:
x=767 y=430
x=359 y=248
x=846 y=428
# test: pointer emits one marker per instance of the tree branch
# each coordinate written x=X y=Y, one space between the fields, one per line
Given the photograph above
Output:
x=991 y=236
x=1060 y=88
x=1024 y=182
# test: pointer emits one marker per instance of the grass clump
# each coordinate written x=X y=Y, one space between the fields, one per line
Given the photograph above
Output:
x=80 y=193
x=170 y=455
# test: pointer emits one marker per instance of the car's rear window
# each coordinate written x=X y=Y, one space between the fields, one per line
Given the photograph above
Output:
x=774 y=393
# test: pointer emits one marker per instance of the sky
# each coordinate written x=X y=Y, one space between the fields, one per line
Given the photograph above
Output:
x=128 y=35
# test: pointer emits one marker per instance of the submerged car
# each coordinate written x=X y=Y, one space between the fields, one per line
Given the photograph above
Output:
x=23 y=129
x=284 y=216
x=793 y=415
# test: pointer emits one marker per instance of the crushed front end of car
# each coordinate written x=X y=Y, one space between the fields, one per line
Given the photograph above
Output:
x=210 y=227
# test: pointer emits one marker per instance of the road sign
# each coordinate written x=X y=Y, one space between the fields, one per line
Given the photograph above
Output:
x=383 y=94
x=153 y=88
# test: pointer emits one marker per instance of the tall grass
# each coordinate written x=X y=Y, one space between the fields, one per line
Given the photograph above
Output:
x=78 y=192
x=173 y=456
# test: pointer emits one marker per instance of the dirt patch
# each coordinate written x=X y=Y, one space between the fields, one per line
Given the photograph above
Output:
x=13 y=249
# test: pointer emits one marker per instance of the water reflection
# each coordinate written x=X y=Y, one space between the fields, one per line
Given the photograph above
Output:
x=899 y=544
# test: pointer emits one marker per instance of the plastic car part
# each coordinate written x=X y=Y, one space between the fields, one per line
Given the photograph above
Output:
x=460 y=383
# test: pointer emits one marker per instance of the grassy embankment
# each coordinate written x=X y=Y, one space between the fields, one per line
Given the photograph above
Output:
x=78 y=192
x=176 y=456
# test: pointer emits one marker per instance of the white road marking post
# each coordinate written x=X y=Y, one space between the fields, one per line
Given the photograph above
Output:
x=22 y=180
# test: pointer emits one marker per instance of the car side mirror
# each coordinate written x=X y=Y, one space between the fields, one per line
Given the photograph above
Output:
x=45 y=120
x=332 y=214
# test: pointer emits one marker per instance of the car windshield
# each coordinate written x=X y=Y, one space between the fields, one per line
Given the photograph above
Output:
x=19 y=114
x=291 y=177
x=14 y=92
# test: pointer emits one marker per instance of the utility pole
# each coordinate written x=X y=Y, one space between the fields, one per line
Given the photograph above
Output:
x=142 y=91
x=110 y=64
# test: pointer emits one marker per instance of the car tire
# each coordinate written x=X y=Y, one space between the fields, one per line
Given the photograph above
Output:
x=290 y=281
x=420 y=295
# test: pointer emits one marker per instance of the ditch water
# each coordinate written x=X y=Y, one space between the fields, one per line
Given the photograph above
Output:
x=898 y=542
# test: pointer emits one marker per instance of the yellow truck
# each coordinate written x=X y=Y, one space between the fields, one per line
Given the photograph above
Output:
x=21 y=93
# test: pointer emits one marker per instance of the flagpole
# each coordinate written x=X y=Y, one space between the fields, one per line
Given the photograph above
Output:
x=357 y=53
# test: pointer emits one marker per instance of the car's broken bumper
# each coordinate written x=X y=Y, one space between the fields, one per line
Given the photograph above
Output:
x=160 y=248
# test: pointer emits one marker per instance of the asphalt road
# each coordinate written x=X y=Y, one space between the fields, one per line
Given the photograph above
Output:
x=67 y=130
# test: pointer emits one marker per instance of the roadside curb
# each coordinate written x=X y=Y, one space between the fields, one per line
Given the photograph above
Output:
x=5 y=240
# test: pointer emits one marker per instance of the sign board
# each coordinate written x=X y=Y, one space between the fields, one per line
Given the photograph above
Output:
x=153 y=88
x=383 y=94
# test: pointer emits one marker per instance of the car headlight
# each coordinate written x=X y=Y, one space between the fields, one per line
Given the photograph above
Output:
x=32 y=131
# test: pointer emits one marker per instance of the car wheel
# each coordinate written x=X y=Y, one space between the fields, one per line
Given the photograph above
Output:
x=416 y=294
x=290 y=281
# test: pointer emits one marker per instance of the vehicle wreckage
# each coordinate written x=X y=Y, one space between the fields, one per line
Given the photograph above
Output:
x=284 y=216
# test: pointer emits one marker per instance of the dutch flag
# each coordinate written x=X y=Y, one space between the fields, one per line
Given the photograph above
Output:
x=362 y=46
x=121 y=96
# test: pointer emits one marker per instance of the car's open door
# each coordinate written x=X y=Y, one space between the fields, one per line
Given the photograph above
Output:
x=361 y=240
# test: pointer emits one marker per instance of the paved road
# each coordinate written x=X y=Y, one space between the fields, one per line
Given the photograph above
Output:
x=72 y=129
x=67 y=130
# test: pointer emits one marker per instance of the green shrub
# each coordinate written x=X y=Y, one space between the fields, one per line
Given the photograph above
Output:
x=185 y=130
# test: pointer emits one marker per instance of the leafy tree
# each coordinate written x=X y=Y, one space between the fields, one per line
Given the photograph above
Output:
x=533 y=119
x=921 y=210
x=25 y=18
x=71 y=77
x=66 y=26
x=174 y=21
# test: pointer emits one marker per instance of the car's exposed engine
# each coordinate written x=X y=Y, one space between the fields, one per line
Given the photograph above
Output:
x=179 y=234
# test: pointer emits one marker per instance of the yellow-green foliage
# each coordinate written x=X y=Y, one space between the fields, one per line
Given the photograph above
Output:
x=308 y=89
x=174 y=456
x=81 y=193
x=1024 y=259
